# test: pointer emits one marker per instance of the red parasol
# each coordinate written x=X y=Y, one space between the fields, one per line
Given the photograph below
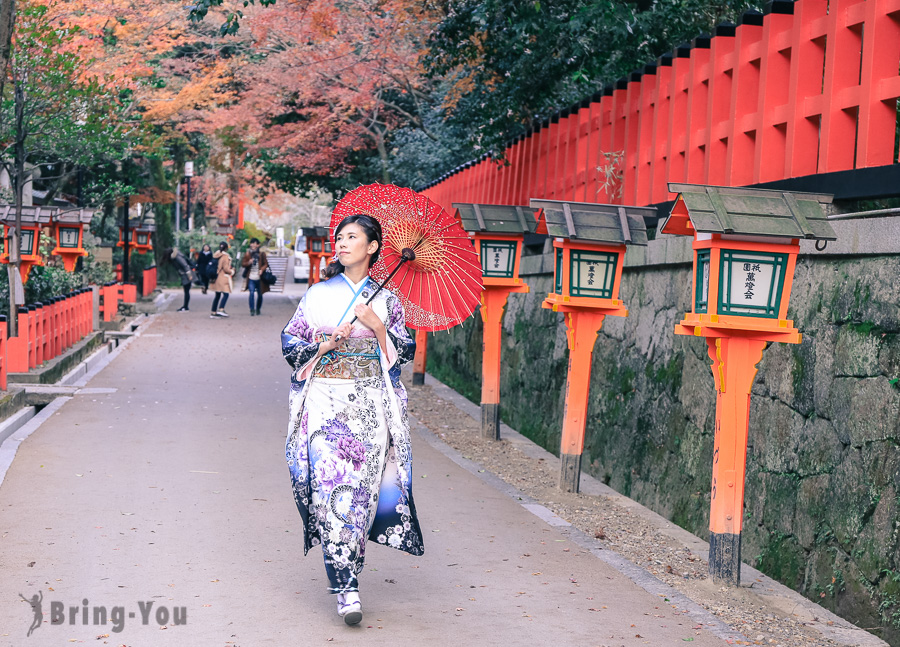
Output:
x=442 y=285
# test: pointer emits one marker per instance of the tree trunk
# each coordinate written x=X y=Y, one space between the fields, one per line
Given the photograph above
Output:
x=15 y=250
x=7 y=23
x=382 y=153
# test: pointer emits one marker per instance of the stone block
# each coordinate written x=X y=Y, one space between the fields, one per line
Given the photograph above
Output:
x=866 y=410
x=818 y=447
x=780 y=502
x=856 y=352
x=812 y=501
x=848 y=498
x=877 y=542
x=889 y=357
x=853 y=598
x=774 y=434
x=823 y=371
x=819 y=571
x=698 y=395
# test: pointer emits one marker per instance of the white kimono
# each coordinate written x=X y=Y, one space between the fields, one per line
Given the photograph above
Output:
x=348 y=445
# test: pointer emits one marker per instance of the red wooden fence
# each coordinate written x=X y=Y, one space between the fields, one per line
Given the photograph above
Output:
x=46 y=330
x=811 y=87
x=149 y=282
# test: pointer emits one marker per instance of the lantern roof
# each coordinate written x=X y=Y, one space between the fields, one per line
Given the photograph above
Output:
x=142 y=223
x=315 y=232
x=593 y=223
x=496 y=218
x=748 y=212
x=74 y=216
x=30 y=215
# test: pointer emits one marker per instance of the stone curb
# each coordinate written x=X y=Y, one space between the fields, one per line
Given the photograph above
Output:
x=774 y=593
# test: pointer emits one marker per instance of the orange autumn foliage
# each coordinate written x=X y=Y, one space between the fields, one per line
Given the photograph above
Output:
x=305 y=83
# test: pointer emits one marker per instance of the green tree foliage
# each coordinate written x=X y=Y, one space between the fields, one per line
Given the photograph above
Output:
x=67 y=118
x=513 y=61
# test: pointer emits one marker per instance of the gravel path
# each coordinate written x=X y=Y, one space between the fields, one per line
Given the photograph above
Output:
x=616 y=527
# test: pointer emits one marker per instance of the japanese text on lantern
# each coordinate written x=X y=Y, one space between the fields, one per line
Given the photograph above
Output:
x=498 y=258
x=68 y=237
x=752 y=283
x=751 y=270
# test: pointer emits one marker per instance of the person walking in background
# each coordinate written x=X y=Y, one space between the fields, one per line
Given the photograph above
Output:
x=255 y=263
x=223 y=283
x=204 y=258
x=183 y=266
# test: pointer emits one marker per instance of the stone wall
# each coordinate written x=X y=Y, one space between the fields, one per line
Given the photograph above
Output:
x=823 y=473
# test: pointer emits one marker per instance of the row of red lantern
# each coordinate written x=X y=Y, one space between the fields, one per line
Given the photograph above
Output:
x=138 y=239
x=67 y=230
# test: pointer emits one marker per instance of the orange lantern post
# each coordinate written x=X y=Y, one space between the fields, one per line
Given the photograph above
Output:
x=68 y=232
x=589 y=242
x=34 y=219
x=745 y=249
x=318 y=247
x=498 y=232
x=421 y=358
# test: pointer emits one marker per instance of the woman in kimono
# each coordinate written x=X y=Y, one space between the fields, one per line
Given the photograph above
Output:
x=348 y=444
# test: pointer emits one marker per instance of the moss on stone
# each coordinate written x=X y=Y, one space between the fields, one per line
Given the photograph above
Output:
x=783 y=559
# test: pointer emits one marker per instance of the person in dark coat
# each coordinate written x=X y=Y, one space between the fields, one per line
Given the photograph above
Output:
x=183 y=266
x=204 y=258
x=255 y=262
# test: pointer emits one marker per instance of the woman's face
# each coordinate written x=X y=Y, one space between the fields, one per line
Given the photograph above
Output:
x=206 y=248
x=352 y=246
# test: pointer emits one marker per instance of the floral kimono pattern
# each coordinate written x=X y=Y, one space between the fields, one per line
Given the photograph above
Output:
x=348 y=445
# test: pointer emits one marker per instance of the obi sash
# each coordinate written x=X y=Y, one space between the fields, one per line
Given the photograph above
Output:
x=359 y=357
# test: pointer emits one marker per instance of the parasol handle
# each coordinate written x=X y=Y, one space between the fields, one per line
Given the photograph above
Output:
x=406 y=255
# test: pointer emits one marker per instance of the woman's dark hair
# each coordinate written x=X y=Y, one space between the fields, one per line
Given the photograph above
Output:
x=372 y=230
x=167 y=255
x=223 y=246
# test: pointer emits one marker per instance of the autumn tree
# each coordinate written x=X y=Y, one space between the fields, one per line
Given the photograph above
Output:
x=53 y=113
x=322 y=86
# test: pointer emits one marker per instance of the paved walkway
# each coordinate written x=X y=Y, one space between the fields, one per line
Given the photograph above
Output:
x=166 y=484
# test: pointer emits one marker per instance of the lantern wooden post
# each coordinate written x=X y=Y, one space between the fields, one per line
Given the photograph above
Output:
x=498 y=232
x=734 y=367
x=746 y=243
x=421 y=357
x=582 y=327
x=493 y=303
x=589 y=250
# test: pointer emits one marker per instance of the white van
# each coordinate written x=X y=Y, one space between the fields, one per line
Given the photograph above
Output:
x=301 y=259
